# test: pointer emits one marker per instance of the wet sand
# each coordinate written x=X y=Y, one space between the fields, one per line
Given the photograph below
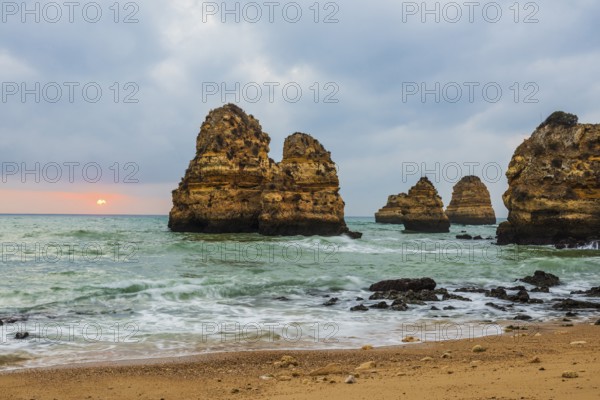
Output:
x=521 y=364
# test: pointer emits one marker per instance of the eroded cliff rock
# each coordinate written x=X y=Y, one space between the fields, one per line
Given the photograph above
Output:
x=554 y=185
x=303 y=198
x=232 y=185
x=393 y=211
x=470 y=204
x=420 y=210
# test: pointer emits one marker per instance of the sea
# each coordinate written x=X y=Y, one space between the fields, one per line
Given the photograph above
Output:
x=108 y=288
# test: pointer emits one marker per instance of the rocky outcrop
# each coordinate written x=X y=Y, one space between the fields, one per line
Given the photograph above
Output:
x=421 y=210
x=403 y=285
x=470 y=204
x=232 y=185
x=303 y=197
x=554 y=185
x=393 y=211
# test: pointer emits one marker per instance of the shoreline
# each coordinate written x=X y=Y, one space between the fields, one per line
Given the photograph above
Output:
x=429 y=368
x=444 y=330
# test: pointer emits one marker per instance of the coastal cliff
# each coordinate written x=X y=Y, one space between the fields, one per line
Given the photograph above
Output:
x=470 y=204
x=232 y=185
x=554 y=185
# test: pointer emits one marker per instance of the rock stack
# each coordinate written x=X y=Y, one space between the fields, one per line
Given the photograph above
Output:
x=554 y=185
x=303 y=198
x=470 y=204
x=421 y=210
x=232 y=185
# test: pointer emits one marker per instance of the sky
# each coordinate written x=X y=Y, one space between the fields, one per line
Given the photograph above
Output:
x=103 y=100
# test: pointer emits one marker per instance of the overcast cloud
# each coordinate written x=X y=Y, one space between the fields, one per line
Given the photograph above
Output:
x=373 y=63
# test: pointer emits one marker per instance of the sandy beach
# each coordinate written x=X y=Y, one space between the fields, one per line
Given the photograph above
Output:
x=550 y=361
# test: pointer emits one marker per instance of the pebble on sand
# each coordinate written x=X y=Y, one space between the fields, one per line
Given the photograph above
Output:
x=365 y=366
x=578 y=343
x=570 y=374
x=350 y=379
x=478 y=349
x=410 y=339
x=333 y=368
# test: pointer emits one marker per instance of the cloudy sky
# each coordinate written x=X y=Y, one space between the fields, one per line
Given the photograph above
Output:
x=394 y=90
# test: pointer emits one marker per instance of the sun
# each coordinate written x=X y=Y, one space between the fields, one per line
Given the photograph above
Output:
x=101 y=202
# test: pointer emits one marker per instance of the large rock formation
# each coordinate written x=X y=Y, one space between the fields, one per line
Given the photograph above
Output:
x=303 y=198
x=393 y=211
x=420 y=210
x=470 y=204
x=232 y=185
x=554 y=185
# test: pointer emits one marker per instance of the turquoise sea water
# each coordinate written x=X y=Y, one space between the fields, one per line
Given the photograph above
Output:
x=100 y=288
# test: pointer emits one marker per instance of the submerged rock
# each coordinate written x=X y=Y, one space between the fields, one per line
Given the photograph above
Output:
x=470 y=203
x=554 y=185
x=233 y=186
x=593 y=292
x=568 y=304
x=421 y=210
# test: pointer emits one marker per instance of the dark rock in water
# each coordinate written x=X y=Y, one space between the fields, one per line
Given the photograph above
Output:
x=597 y=322
x=434 y=308
x=403 y=285
x=478 y=237
x=420 y=296
x=392 y=294
x=381 y=305
x=498 y=293
x=331 y=301
x=522 y=317
x=543 y=289
x=520 y=287
x=449 y=308
x=410 y=296
x=541 y=279
x=359 y=299
x=554 y=185
x=571 y=314
x=399 y=305
x=466 y=236
x=567 y=304
x=21 y=335
x=282 y=298
x=471 y=290
x=522 y=297
x=449 y=296
x=496 y=306
x=360 y=307
x=593 y=292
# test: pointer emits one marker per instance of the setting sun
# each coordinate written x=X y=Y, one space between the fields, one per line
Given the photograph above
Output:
x=101 y=202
